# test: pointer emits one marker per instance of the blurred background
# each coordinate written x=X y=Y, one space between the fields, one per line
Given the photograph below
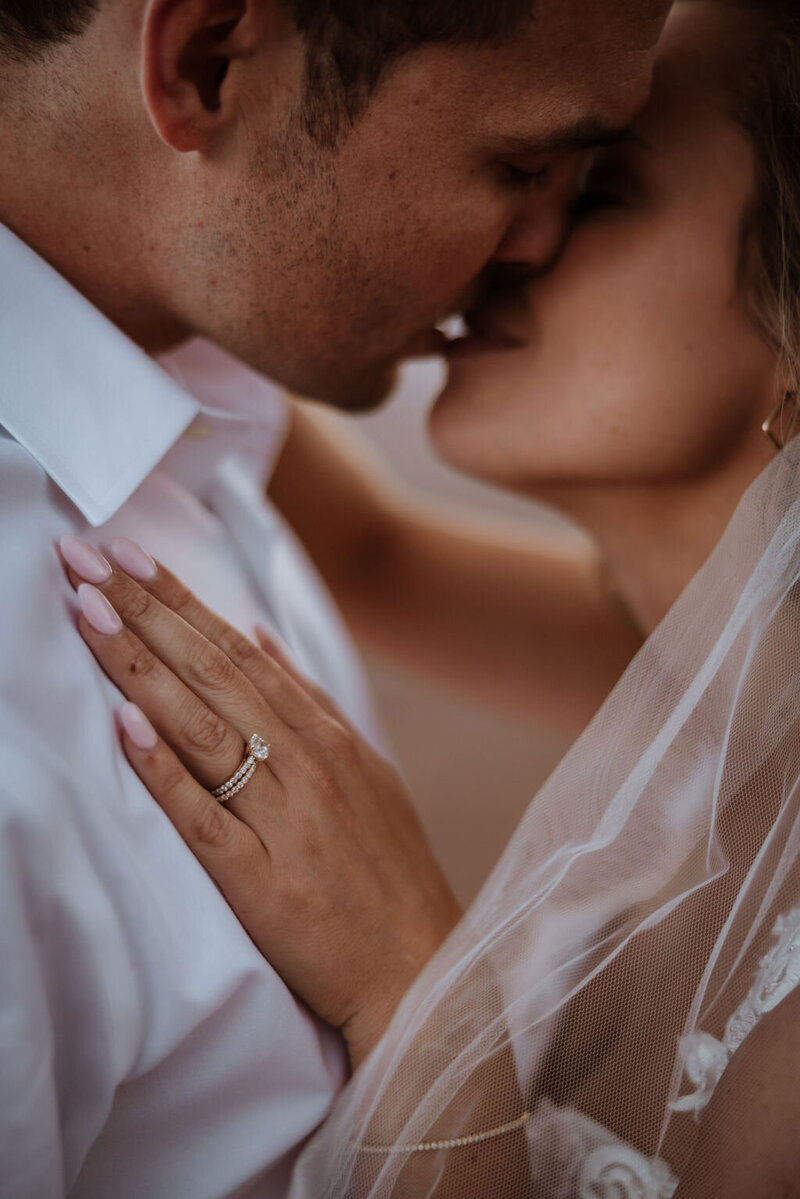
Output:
x=471 y=769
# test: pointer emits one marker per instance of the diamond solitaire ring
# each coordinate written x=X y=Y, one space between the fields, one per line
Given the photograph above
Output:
x=257 y=751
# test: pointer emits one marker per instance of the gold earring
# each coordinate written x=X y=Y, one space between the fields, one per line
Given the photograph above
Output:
x=782 y=423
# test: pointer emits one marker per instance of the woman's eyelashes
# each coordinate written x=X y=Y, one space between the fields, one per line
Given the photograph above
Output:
x=593 y=199
x=607 y=185
x=522 y=177
x=613 y=179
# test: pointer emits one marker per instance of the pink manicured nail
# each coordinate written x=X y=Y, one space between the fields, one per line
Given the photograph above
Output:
x=84 y=559
x=133 y=559
x=98 y=610
x=137 y=726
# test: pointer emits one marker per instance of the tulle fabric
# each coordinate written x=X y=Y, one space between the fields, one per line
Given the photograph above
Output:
x=642 y=919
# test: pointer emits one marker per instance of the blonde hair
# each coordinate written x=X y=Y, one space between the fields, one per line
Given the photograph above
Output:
x=769 y=109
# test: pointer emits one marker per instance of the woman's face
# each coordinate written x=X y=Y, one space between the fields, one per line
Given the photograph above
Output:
x=635 y=358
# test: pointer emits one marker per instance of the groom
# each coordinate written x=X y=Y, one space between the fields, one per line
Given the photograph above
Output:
x=306 y=187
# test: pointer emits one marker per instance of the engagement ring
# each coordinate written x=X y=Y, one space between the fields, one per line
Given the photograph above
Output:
x=257 y=751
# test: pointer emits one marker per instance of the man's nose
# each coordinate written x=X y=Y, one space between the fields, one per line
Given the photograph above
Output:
x=539 y=230
x=535 y=239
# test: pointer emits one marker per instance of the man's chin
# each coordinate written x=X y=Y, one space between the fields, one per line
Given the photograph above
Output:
x=362 y=392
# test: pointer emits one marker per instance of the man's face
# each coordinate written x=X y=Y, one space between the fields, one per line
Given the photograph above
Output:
x=327 y=268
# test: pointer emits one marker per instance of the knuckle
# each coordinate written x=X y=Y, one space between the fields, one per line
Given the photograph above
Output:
x=137 y=604
x=319 y=774
x=295 y=899
x=171 y=772
x=322 y=700
x=211 y=827
x=298 y=892
x=338 y=740
x=208 y=734
x=177 y=597
x=236 y=647
x=212 y=668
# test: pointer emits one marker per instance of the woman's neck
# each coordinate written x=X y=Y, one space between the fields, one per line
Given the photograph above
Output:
x=655 y=537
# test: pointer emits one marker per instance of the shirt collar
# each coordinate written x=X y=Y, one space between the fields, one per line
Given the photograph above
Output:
x=92 y=408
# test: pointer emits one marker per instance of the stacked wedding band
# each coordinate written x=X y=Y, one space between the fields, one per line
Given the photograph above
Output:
x=257 y=751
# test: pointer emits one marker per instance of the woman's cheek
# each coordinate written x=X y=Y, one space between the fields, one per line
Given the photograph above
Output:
x=632 y=363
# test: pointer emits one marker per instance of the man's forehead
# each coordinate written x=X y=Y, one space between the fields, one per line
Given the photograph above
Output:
x=526 y=101
x=584 y=95
x=591 y=75
x=584 y=133
x=567 y=118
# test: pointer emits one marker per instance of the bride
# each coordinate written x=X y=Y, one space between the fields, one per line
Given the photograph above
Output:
x=617 y=1014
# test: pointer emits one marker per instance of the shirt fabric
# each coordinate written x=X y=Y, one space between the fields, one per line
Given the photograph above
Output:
x=146 y=1047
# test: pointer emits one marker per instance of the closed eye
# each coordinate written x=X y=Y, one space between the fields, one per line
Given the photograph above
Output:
x=521 y=177
x=592 y=199
x=609 y=184
x=614 y=179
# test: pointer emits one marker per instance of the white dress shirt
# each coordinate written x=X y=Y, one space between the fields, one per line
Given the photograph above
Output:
x=146 y=1048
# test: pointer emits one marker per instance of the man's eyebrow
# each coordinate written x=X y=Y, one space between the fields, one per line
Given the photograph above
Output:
x=583 y=135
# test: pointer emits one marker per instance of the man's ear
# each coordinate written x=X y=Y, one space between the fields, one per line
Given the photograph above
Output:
x=190 y=51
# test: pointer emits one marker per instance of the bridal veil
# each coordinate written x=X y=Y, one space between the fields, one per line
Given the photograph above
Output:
x=565 y=1041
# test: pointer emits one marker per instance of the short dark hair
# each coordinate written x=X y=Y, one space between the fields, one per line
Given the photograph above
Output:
x=27 y=26
x=351 y=43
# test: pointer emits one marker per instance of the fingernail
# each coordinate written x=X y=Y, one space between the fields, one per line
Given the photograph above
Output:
x=98 y=610
x=137 y=726
x=84 y=559
x=133 y=559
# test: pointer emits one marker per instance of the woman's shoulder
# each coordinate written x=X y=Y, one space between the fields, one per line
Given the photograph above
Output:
x=748 y=1145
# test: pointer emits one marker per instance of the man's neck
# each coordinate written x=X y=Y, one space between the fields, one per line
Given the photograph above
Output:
x=80 y=213
x=100 y=273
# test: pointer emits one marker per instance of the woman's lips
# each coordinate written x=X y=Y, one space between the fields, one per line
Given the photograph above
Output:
x=484 y=335
x=466 y=347
x=478 y=334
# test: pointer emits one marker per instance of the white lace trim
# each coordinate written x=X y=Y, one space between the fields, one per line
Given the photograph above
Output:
x=617 y=1171
x=705 y=1058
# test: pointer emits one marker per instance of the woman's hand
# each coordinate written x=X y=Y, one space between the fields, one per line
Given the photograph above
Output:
x=321 y=855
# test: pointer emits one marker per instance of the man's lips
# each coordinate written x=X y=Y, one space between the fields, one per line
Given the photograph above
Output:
x=490 y=315
x=432 y=343
x=479 y=332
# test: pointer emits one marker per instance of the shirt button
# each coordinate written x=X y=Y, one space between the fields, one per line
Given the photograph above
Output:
x=199 y=432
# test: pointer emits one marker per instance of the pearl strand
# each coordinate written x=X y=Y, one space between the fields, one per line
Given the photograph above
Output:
x=456 y=1143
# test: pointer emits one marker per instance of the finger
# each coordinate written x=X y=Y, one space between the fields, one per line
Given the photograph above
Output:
x=201 y=665
x=274 y=650
x=279 y=686
x=204 y=741
x=139 y=574
x=231 y=851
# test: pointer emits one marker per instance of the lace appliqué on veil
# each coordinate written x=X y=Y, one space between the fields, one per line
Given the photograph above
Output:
x=618 y=1171
x=589 y=1162
x=705 y=1058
